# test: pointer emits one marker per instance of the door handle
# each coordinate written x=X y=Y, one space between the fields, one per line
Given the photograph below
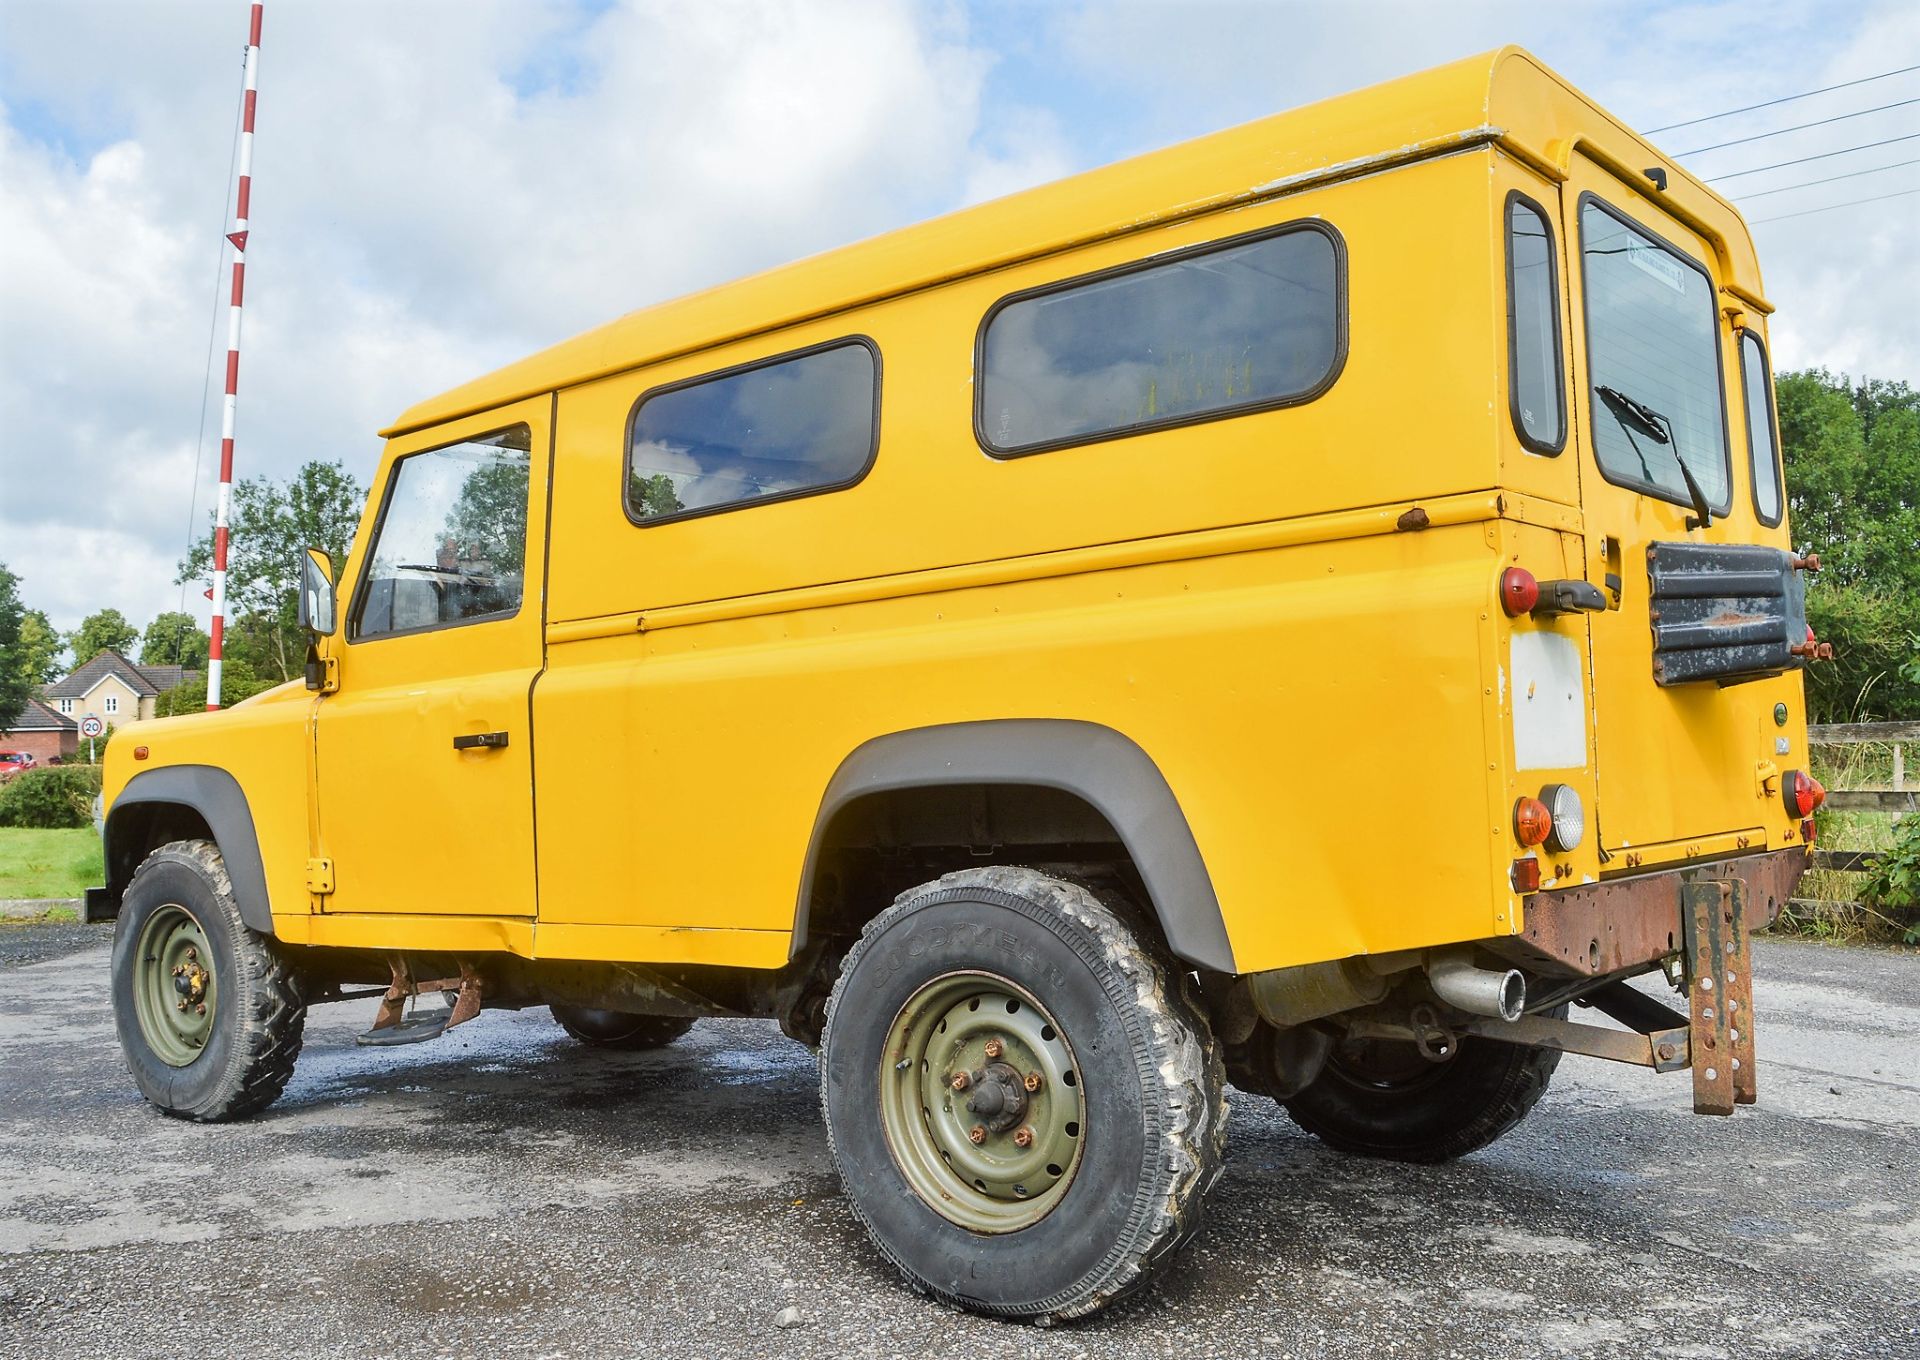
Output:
x=484 y=741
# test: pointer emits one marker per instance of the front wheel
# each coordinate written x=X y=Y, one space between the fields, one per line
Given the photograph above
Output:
x=1021 y=1093
x=210 y=1012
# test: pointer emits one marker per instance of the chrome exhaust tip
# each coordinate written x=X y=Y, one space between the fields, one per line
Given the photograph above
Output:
x=1459 y=982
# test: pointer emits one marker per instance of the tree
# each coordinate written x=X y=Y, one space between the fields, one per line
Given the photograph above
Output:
x=174 y=639
x=237 y=682
x=271 y=525
x=106 y=630
x=15 y=687
x=654 y=495
x=1852 y=454
x=40 y=648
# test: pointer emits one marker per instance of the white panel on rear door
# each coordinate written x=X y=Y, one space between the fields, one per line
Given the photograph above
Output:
x=1549 y=702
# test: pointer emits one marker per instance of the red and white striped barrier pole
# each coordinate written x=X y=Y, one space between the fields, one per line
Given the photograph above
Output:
x=239 y=238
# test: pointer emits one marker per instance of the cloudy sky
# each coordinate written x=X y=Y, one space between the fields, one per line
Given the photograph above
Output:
x=442 y=187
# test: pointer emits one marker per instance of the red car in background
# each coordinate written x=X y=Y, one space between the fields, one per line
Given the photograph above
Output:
x=12 y=762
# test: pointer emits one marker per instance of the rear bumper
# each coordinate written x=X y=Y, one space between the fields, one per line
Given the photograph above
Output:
x=1599 y=929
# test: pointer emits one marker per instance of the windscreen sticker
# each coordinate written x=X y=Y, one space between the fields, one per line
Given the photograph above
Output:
x=1651 y=260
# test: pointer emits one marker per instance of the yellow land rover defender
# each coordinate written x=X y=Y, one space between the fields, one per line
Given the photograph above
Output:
x=1303 y=607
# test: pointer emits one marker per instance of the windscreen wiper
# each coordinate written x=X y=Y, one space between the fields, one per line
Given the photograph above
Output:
x=1660 y=430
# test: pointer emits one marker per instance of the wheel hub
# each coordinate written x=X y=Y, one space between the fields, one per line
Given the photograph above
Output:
x=175 y=990
x=981 y=1102
x=999 y=1097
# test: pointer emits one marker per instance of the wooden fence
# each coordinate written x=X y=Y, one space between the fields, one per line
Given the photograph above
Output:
x=1896 y=800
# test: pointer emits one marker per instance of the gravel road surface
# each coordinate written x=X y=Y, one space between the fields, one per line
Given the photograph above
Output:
x=505 y=1192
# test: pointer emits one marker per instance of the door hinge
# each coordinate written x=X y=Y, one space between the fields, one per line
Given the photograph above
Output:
x=319 y=877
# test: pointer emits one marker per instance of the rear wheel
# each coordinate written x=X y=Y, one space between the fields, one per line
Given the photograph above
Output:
x=1382 y=1098
x=1021 y=1094
x=617 y=1029
x=210 y=1013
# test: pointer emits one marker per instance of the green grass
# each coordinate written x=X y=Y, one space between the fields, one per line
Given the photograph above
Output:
x=49 y=863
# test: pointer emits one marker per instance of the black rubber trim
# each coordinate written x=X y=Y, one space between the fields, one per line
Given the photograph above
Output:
x=216 y=796
x=1106 y=769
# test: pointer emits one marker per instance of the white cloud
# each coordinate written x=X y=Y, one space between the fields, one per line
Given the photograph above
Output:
x=442 y=187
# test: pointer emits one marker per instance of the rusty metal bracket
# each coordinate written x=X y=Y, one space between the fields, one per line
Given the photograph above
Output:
x=1720 y=993
x=393 y=1003
x=1663 y=1050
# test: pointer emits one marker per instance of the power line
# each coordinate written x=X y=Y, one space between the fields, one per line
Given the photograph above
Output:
x=1808 y=184
x=1784 y=99
x=1801 y=127
x=1878 y=198
x=1802 y=160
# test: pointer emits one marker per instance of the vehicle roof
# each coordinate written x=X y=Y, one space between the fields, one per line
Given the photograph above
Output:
x=1505 y=97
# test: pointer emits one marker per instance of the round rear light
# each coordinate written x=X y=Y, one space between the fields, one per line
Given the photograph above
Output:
x=1802 y=793
x=1531 y=821
x=1569 y=817
x=1519 y=591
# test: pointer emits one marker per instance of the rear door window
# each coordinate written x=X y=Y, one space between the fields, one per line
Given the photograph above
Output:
x=1653 y=358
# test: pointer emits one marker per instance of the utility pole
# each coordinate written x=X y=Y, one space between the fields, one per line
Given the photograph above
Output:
x=239 y=238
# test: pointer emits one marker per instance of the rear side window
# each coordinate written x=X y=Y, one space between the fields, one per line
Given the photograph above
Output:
x=1242 y=325
x=1535 y=390
x=771 y=430
x=1763 y=445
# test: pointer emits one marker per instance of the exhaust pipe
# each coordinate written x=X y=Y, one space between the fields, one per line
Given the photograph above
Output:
x=1459 y=982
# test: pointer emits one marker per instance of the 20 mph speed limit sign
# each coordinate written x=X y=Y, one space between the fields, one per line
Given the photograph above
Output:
x=91 y=726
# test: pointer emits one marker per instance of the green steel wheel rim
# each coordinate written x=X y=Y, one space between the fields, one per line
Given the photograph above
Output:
x=1021 y=1098
x=176 y=993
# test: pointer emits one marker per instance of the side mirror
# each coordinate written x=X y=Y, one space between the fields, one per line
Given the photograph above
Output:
x=316 y=594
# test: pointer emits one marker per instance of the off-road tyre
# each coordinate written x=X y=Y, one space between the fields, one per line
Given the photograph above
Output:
x=259 y=1014
x=617 y=1029
x=1150 y=1073
x=1379 y=1098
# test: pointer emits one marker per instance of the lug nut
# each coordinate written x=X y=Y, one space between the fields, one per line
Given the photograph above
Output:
x=200 y=1009
x=976 y=1135
x=960 y=1081
x=1032 y=1083
x=1023 y=1137
x=192 y=953
x=995 y=1048
x=181 y=1006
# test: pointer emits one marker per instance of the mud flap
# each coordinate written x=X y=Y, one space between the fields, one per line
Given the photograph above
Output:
x=1720 y=992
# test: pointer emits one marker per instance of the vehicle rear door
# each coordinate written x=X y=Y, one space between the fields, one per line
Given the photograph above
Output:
x=1677 y=761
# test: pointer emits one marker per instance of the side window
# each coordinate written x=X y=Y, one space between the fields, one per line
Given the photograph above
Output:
x=783 y=427
x=1241 y=325
x=451 y=543
x=112 y=704
x=1763 y=444
x=1535 y=388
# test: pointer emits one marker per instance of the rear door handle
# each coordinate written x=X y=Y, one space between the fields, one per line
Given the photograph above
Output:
x=480 y=741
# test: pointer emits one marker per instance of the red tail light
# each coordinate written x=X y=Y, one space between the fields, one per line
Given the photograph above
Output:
x=1525 y=875
x=1519 y=591
x=1802 y=793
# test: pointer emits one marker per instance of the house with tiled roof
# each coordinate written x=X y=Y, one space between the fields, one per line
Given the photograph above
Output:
x=113 y=689
x=42 y=733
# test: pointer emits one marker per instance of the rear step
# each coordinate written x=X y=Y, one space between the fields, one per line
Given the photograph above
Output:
x=392 y=1025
